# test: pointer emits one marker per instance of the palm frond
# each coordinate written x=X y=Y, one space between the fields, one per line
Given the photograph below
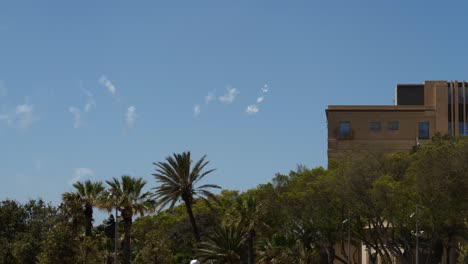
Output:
x=209 y=186
x=224 y=246
x=208 y=194
x=127 y=194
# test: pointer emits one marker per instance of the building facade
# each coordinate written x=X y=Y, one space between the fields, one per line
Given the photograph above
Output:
x=420 y=111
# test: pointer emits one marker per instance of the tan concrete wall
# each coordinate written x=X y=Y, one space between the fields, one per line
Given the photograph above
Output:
x=430 y=92
x=441 y=105
x=363 y=138
x=360 y=124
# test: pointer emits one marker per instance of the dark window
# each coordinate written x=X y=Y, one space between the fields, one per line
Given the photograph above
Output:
x=450 y=113
x=424 y=130
x=410 y=94
x=466 y=110
x=461 y=127
x=460 y=95
x=345 y=130
x=466 y=94
x=375 y=126
x=393 y=125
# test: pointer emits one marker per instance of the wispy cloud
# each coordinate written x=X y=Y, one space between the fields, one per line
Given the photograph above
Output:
x=252 y=109
x=90 y=102
x=77 y=112
x=230 y=96
x=24 y=109
x=21 y=117
x=6 y=118
x=77 y=116
x=108 y=84
x=209 y=97
x=131 y=116
x=81 y=173
x=260 y=99
x=196 y=110
x=24 y=116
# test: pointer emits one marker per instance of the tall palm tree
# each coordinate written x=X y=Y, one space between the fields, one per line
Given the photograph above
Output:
x=178 y=179
x=249 y=215
x=128 y=196
x=88 y=195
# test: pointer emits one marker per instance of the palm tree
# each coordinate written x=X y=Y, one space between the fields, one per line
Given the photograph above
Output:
x=224 y=246
x=88 y=195
x=248 y=214
x=128 y=196
x=177 y=180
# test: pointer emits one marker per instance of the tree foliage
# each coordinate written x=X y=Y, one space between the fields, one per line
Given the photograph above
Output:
x=299 y=217
x=177 y=180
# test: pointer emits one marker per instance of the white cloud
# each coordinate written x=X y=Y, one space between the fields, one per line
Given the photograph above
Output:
x=196 y=110
x=108 y=84
x=24 y=116
x=130 y=116
x=230 y=96
x=90 y=103
x=5 y=118
x=23 y=109
x=77 y=115
x=77 y=112
x=252 y=109
x=210 y=97
x=80 y=173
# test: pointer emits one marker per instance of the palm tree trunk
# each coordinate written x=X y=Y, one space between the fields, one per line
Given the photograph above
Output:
x=188 y=206
x=88 y=212
x=251 y=253
x=126 y=247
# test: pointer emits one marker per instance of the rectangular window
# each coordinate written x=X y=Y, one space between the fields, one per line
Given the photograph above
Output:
x=450 y=114
x=466 y=110
x=423 y=130
x=375 y=126
x=394 y=125
x=345 y=130
x=461 y=127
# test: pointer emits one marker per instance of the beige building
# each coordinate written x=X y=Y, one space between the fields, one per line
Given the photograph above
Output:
x=420 y=111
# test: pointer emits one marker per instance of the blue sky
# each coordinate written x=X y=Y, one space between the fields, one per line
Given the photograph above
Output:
x=97 y=89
